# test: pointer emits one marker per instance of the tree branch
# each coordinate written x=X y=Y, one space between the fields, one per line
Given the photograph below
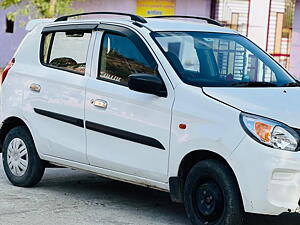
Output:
x=52 y=7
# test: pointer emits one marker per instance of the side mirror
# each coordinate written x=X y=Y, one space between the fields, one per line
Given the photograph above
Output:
x=147 y=83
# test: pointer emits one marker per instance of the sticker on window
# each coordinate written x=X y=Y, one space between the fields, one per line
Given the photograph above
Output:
x=110 y=77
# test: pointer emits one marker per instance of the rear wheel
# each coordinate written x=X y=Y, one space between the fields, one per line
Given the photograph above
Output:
x=211 y=195
x=21 y=162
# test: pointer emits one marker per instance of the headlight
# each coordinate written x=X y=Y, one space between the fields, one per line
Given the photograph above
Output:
x=270 y=132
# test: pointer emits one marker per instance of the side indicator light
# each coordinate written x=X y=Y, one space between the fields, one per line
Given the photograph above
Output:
x=182 y=126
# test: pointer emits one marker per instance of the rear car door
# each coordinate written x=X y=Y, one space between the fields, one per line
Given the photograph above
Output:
x=127 y=131
x=56 y=94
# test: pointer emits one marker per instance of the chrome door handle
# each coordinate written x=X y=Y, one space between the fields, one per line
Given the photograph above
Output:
x=35 y=87
x=99 y=103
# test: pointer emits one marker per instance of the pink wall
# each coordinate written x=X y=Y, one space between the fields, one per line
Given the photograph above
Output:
x=186 y=7
x=128 y=6
x=295 y=51
x=9 y=42
x=193 y=7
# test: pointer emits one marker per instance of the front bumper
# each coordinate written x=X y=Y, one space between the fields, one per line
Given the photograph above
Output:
x=269 y=179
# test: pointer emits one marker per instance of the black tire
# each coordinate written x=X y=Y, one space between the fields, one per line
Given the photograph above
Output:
x=212 y=196
x=35 y=167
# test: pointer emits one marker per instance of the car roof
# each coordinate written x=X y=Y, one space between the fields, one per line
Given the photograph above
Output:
x=157 y=24
x=172 y=24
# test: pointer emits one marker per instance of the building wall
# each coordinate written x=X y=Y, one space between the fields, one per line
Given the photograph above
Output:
x=128 y=6
x=258 y=22
x=279 y=37
x=295 y=51
x=233 y=13
x=10 y=42
x=186 y=7
x=193 y=7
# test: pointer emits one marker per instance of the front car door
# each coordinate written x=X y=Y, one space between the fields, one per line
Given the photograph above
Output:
x=126 y=131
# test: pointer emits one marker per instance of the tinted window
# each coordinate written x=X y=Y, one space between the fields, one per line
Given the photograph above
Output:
x=221 y=60
x=120 y=58
x=66 y=50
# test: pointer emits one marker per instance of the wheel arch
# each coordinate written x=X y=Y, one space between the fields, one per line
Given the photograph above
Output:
x=186 y=164
x=193 y=157
x=8 y=124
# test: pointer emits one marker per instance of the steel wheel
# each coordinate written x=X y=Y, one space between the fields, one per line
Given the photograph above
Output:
x=212 y=196
x=17 y=157
x=209 y=201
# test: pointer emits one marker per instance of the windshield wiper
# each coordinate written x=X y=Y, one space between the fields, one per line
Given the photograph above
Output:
x=253 y=84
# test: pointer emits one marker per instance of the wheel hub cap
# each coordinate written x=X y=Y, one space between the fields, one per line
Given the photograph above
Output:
x=209 y=201
x=17 y=157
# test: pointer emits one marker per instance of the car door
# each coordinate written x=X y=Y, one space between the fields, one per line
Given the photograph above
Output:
x=127 y=131
x=56 y=95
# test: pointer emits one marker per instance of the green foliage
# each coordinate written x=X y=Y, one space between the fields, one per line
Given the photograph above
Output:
x=7 y=3
x=38 y=8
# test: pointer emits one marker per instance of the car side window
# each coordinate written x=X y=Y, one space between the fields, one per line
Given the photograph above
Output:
x=119 y=58
x=66 y=50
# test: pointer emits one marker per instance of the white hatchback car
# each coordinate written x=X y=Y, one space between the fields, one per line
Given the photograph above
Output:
x=187 y=107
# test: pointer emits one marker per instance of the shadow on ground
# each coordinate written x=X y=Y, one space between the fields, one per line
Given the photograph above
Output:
x=94 y=190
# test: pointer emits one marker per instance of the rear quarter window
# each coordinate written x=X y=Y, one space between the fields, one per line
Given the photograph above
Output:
x=66 y=50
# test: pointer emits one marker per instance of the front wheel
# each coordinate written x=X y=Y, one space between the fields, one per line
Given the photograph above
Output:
x=22 y=165
x=212 y=196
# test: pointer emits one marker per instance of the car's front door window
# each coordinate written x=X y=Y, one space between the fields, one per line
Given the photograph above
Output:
x=120 y=58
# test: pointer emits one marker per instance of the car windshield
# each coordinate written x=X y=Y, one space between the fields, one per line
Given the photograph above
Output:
x=221 y=60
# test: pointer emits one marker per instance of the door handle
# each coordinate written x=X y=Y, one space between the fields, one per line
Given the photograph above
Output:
x=99 y=103
x=35 y=87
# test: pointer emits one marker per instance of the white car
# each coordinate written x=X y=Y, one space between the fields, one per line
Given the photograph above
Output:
x=171 y=103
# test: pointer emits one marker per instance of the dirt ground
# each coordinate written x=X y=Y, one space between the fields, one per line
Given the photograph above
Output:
x=66 y=196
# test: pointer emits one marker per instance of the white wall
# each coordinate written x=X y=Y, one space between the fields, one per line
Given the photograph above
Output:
x=258 y=29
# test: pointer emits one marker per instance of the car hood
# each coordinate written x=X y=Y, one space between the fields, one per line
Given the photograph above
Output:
x=282 y=104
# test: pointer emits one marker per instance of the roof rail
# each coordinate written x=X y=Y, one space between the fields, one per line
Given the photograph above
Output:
x=132 y=16
x=208 y=20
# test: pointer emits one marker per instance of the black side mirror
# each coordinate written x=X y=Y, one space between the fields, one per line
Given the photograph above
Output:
x=147 y=83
